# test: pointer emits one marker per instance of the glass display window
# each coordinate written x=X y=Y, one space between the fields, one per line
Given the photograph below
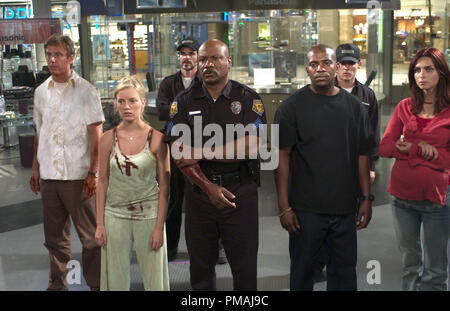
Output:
x=416 y=26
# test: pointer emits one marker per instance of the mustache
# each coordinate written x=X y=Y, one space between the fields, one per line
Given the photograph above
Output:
x=322 y=76
x=207 y=71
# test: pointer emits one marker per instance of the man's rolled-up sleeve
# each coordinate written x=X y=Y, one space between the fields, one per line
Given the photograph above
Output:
x=93 y=107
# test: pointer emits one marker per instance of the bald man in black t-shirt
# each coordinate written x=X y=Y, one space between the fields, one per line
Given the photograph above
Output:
x=323 y=164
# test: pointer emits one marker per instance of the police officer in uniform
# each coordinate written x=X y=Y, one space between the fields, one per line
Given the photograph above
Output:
x=222 y=200
x=348 y=57
x=170 y=87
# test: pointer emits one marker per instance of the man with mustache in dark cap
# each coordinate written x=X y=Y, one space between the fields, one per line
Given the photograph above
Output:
x=169 y=88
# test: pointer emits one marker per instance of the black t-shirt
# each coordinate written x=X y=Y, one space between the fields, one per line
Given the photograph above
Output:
x=237 y=105
x=327 y=134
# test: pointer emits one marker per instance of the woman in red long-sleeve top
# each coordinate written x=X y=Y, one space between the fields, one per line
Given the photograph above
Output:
x=418 y=137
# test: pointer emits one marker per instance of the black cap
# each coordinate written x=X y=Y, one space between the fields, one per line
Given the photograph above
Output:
x=189 y=42
x=348 y=53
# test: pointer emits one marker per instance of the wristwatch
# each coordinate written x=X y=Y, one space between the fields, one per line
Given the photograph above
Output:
x=95 y=174
x=370 y=197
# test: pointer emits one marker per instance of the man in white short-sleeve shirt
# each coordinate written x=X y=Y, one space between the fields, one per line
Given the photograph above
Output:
x=68 y=117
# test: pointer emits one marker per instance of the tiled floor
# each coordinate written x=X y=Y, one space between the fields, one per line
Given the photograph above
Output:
x=24 y=259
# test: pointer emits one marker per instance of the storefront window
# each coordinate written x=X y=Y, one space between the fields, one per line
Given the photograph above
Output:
x=28 y=54
x=111 y=46
x=271 y=39
x=290 y=34
x=109 y=53
x=412 y=32
x=277 y=39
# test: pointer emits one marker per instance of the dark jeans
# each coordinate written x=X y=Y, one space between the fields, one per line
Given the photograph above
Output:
x=337 y=233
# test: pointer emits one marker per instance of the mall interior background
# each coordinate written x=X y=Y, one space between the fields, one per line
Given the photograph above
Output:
x=115 y=38
x=109 y=47
x=123 y=40
x=113 y=44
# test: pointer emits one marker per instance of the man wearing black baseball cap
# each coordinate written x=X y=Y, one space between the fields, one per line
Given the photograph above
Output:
x=169 y=88
x=190 y=43
x=348 y=52
x=187 y=50
x=348 y=58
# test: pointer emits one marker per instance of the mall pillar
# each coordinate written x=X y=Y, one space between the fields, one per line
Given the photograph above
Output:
x=86 y=57
x=388 y=42
x=131 y=52
x=41 y=9
x=372 y=40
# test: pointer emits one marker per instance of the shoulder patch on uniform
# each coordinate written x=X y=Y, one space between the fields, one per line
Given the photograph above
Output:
x=258 y=107
x=173 y=109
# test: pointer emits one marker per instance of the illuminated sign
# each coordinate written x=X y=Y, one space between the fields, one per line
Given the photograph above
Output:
x=365 y=1
x=27 y=31
x=161 y=4
x=419 y=21
x=16 y=12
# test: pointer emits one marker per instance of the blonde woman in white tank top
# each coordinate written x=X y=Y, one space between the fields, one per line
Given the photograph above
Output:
x=131 y=202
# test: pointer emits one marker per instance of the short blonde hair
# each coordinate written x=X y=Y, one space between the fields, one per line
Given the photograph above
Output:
x=129 y=82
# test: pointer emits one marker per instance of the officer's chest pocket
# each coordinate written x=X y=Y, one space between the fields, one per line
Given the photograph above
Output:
x=366 y=105
x=237 y=119
x=196 y=118
x=229 y=124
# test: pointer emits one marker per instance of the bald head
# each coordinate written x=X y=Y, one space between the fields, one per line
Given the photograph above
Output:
x=214 y=62
x=214 y=44
x=321 y=48
x=321 y=67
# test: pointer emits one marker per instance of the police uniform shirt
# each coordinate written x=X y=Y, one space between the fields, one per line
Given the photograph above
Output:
x=168 y=89
x=237 y=104
x=327 y=135
x=369 y=100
